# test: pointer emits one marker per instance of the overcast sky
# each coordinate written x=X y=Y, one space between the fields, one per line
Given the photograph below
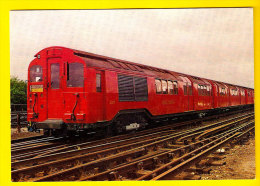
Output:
x=215 y=43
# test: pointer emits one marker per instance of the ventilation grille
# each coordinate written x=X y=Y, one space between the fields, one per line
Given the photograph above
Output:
x=141 y=92
x=132 y=88
x=125 y=88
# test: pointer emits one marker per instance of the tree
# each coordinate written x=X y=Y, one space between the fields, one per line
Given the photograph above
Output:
x=18 y=91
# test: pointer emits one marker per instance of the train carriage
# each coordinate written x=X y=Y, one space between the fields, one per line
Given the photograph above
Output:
x=71 y=90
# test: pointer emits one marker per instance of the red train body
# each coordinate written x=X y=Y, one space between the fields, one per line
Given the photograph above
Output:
x=74 y=90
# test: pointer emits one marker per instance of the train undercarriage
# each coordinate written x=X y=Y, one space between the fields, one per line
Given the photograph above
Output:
x=123 y=122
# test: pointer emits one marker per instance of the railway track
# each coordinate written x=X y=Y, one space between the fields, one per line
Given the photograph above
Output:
x=39 y=146
x=28 y=147
x=151 y=154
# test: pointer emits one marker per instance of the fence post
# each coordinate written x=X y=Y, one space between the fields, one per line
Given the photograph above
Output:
x=18 y=123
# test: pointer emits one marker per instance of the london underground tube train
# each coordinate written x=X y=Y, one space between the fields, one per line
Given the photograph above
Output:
x=71 y=90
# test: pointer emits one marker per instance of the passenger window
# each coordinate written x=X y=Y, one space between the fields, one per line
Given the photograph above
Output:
x=158 y=85
x=75 y=75
x=164 y=86
x=36 y=73
x=185 y=89
x=170 y=87
x=208 y=90
x=190 y=90
x=55 y=75
x=175 y=84
x=98 y=82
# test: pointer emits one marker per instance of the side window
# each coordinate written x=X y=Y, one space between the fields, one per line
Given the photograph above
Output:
x=185 y=90
x=170 y=87
x=158 y=85
x=98 y=82
x=75 y=75
x=164 y=86
x=223 y=91
x=190 y=90
x=199 y=90
x=55 y=75
x=175 y=84
x=36 y=73
x=208 y=91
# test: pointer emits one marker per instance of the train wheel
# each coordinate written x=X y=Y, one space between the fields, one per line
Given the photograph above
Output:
x=130 y=122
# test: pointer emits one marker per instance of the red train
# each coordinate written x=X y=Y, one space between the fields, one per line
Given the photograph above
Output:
x=71 y=90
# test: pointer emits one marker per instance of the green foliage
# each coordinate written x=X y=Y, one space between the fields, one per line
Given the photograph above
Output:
x=18 y=91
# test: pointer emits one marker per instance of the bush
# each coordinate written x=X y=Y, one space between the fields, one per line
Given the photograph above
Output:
x=18 y=91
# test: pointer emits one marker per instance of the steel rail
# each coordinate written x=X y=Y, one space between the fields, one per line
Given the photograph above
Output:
x=68 y=171
x=57 y=156
x=174 y=170
x=147 y=161
x=204 y=127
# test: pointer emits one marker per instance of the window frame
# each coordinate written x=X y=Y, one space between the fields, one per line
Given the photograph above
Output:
x=175 y=88
x=68 y=73
x=185 y=89
x=157 y=91
x=99 y=89
x=30 y=73
x=170 y=91
x=58 y=77
x=166 y=88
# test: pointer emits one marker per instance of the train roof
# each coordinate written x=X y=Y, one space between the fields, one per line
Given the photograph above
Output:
x=96 y=60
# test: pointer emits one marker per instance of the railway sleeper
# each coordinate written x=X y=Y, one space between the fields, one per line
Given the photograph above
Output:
x=196 y=170
x=186 y=176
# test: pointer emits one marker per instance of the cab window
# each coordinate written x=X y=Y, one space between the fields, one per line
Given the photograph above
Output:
x=75 y=75
x=36 y=73
x=55 y=75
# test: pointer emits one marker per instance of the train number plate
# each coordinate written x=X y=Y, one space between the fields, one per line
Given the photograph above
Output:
x=36 y=88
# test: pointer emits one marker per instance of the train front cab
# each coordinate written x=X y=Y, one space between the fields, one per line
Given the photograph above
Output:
x=56 y=89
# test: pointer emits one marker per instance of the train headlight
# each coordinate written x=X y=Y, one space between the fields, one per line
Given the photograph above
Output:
x=38 y=56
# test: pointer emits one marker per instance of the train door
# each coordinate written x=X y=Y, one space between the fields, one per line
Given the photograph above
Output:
x=54 y=88
x=100 y=92
x=185 y=100
x=215 y=95
x=190 y=93
x=73 y=90
x=185 y=96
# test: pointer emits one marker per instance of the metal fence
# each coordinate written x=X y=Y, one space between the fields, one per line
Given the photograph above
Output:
x=18 y=107
x=18 y=116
